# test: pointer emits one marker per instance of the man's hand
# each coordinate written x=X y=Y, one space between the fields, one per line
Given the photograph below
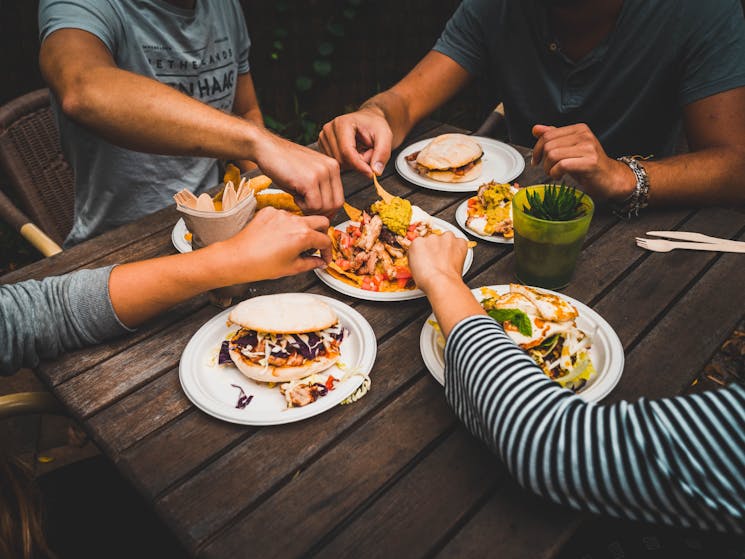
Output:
x=275 y=243
x=312 y=177
x=360 y=140
x=574 y=150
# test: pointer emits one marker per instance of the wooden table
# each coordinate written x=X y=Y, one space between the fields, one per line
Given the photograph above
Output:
x=395 y=474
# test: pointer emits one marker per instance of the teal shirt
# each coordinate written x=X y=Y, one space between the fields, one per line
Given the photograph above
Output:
x=199 y=52
x=661 y=56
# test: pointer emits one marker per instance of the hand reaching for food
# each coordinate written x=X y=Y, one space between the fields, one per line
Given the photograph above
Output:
x=311 y=177
x=274 y=244
x=437 y=259
x=360 y=140
x=574 y=150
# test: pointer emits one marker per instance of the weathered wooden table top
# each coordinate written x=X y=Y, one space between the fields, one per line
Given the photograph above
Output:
x=395 y=474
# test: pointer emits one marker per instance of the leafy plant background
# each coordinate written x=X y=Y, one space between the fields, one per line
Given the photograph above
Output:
x=311 y=60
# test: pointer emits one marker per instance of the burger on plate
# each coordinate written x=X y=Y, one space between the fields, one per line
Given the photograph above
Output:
x=284 y=337
x=449 y=158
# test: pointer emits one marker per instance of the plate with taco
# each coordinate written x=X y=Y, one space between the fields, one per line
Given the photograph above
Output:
x=370 y=250
x=568 y=340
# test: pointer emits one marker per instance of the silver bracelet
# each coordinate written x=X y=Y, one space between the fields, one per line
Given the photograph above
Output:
x=638 y=199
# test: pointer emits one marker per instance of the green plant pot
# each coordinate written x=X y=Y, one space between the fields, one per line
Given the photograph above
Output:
x=546 y=251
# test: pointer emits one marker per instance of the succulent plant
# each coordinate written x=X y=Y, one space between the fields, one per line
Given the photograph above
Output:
x=558 y=203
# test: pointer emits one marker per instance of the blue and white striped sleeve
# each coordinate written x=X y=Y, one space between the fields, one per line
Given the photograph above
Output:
x=678 y=461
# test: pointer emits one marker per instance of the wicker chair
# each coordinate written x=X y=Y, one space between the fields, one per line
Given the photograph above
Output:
x=41 y=179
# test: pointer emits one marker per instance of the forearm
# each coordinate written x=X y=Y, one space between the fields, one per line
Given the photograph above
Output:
x=142 y=114
x=41 y=319
x=141 y=290
x=642 y=461
x=394 y=108
x=452 y=301
x=710 y=176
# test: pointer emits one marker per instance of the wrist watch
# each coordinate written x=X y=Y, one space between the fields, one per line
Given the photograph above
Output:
x=638 y=199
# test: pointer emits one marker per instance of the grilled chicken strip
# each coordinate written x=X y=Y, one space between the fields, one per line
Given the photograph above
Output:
x=370 y=233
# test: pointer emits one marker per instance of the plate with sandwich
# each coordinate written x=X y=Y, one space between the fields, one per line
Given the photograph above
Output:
x=459 y=163
x=370 y=251
x=568 y=340
x=488 y=215
x=277 y=359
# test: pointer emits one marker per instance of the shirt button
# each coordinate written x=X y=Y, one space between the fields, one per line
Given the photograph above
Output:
x=553 y=47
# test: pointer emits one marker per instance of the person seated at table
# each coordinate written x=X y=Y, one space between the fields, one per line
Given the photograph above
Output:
x=42 y=319
x=148 y=95
x=591 y=80
x=677 y=461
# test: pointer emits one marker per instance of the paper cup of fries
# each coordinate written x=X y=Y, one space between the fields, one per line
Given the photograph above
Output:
x=210 y=222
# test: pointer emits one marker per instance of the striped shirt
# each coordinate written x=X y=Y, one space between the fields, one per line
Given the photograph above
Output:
x=678 y=461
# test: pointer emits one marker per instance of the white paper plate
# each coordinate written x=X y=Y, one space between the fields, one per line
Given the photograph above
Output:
x=606 y=351
x=178 y=236
x=461 y=215
x=179 y=230
x=501 y=163
x=208 y=385
x=360 y=293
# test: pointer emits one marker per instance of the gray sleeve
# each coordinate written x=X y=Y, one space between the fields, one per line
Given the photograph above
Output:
x=242 y=39
x=96 y=17
x=714 y=49
x=42 y=319
x=463 y=39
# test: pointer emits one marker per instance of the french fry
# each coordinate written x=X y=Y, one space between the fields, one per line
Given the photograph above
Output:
x=280 y=200
x=259 y=183
x=232 y=174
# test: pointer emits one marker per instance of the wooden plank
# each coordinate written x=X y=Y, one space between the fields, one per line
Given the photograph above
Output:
x=429 y=501
x=216 y=494
x=187 y=444
x=681 y=343
x=141 y=413
x=514 y=524
x=317 y=497
x=645 y=293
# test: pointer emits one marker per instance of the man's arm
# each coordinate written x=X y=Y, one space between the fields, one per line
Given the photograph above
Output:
x=363 y=140
x=41 y=319
x=142 y=114
x=712 y=173
x=246 y=105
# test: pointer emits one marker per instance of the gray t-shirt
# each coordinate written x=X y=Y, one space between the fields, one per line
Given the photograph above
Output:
x=199 y=52
x=42 y=319
x=661 y=56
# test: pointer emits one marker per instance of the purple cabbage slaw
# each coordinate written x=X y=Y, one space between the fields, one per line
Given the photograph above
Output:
x=243 y=399
x=308 y=349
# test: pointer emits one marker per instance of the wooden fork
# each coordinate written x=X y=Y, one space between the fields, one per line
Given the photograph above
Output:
x=659 y=245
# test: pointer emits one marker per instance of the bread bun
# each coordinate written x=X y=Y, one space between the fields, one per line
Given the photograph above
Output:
x=449 y=176
x=284 y=313
x=448 y=151
x=280 y=374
